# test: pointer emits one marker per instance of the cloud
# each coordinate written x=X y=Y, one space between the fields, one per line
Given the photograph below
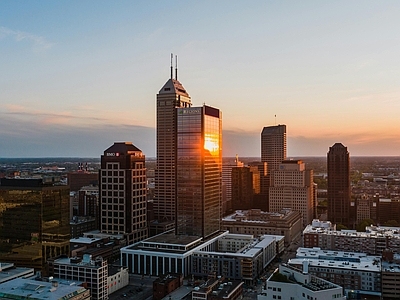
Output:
x=18 y=36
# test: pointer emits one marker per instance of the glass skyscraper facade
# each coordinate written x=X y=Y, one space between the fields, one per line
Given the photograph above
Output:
x=199 y=171
x=34 y=222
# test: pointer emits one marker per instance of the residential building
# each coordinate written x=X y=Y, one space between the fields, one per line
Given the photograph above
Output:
x=34 y=223
x=339 y=192
x=123 y=192
x=292 y=186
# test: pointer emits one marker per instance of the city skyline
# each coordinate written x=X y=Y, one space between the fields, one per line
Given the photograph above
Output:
x=77 y=78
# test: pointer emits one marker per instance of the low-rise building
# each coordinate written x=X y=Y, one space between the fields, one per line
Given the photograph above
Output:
x=357 y=273
x=372 y=242
x=290 y=283
x=234 y=256
x=218 y=288
x=92 y=272
x=166 y=284
x=20 y=288
x=8 y=272
x=286 y=222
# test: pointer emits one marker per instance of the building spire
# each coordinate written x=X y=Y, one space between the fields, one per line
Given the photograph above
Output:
x=176 y=67
x=172 y=56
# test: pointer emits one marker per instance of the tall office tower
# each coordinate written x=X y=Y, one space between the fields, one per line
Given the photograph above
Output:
x=273 y=152
x=34 y=222
x=199 y=171
x=292 y=186
x=227 y=184
x=273 y=146
x=123 y=192
x=339 y=185
x=171 y=96
x=245 y=184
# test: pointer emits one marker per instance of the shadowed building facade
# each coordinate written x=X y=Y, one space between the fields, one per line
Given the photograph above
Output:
x=339 y=193
x=199 y=171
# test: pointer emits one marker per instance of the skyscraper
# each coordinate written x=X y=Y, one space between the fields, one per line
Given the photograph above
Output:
x=227 y=183
x=273 y=152
x=273 y=146
x=339 y=185
x=199 y=171
x=171 y=96
x=123 y=192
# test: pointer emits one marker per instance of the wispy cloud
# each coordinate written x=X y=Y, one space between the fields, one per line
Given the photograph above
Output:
x=18 y=36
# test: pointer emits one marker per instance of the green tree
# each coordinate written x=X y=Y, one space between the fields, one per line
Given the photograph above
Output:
x=364 y=223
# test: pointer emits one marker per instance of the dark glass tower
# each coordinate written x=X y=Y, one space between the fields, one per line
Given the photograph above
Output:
x=171 y=96
x=34 y=222
x=339 y=185
x=123 y=192
x=199 y=171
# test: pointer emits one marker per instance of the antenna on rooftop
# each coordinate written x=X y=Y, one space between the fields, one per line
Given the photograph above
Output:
x=172 y=56
x=176 y=67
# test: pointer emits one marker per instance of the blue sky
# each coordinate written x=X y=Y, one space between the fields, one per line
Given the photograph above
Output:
x=79 y=75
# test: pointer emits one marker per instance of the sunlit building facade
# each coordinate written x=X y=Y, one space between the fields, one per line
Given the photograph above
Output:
x=199 y=171
x=171 y=96
x=34 y=222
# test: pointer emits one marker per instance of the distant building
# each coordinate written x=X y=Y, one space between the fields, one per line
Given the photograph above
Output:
x=227 y=184
x=81 y=178
x=390 y=276
x=292 y=186
x=123 y=197
x=88 y=201
x=358 y=273
x=245 y=185
x=286 y=222
x=372 y=242
x=339 y=192
x=80 y=225
x=34 y=223
x=92 y=272
x=166 y=284
x=31 y=289
x=291 y=283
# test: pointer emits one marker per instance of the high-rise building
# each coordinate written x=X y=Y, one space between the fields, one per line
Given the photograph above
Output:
x=34 y=222
x=227 y=183
x=339 y=185
x=273 y=146
x=245 y=185
x=171 y=96
x=123 y=192
x=199 y=171
x=292 y=186
x=273 y=152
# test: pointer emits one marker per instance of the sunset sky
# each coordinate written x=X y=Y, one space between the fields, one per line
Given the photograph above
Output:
x=78 y=75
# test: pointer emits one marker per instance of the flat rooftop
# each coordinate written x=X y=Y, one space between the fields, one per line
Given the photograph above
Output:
x=8 y=271
x=337 y=259
x=25 y=288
